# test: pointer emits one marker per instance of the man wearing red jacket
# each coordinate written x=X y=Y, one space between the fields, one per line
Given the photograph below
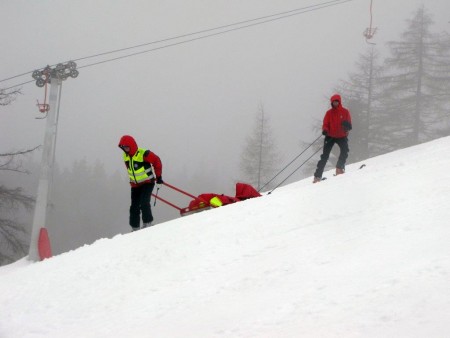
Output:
x=336 y=125
x=144 y=168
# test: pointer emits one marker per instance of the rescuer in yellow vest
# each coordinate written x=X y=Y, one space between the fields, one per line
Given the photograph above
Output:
x=144 y=169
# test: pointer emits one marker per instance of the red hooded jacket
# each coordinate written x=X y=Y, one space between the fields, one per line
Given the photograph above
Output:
x=332 y=122
x=149 y=156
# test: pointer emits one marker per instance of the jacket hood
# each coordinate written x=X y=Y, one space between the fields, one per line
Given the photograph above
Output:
x=129 y=141
x=336 y=97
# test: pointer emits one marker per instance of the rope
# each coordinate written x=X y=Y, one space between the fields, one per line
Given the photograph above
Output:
x=309 y=146
x=301 y=165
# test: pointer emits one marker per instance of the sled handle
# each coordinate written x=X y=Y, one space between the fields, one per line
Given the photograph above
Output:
x=179 y=190
x=167 y=202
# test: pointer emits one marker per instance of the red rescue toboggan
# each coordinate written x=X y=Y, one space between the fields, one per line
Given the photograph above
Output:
x=208 y=201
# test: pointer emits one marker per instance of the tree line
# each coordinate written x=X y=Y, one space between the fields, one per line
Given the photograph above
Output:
x=395 y=103
x=403 y=100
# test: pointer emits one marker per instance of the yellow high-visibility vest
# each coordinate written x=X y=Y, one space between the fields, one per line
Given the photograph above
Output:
x=139 y=171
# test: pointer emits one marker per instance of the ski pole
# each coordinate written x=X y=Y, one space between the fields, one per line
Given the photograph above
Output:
x=156 y=195
x=289 y=163
x=157 y=185
x=301 y=165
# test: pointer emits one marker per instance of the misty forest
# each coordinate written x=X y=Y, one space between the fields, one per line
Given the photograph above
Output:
x=398 y=95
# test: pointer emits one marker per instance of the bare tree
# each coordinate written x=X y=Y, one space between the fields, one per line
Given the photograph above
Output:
x=13 y=236
x=6 y=97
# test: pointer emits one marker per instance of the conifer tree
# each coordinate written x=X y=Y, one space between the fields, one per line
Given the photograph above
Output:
x=260 y=158
x=416 y=97
x=361 y=93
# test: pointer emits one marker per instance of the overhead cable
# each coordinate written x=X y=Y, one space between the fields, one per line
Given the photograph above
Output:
x=223 y=30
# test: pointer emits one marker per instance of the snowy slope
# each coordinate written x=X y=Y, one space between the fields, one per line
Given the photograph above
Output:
x=365 y=254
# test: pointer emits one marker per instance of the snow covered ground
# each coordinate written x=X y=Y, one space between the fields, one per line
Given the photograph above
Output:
x=365 y=254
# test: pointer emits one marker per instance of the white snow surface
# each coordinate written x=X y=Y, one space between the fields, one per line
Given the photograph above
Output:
x=365 y=254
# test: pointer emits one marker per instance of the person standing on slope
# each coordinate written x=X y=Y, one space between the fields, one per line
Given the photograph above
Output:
x=336 y=125
x=144 y=169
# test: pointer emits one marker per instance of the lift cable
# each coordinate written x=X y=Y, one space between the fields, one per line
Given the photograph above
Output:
x=266 y=19
x=210 y=35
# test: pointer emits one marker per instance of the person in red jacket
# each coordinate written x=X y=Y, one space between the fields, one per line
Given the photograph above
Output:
x=336 y=125
x=144 y=169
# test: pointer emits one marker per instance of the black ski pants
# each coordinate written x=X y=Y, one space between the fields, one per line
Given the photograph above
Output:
x=140 y=201
x=328 y=145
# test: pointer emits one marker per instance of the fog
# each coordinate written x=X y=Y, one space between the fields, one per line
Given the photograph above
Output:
x=193 y=104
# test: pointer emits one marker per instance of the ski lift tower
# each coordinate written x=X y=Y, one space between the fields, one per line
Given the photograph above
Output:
x=40 y=244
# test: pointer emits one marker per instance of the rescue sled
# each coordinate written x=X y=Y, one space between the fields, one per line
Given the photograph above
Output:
x=208 y=201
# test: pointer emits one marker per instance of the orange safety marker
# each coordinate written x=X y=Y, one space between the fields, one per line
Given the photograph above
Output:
x=44 y=247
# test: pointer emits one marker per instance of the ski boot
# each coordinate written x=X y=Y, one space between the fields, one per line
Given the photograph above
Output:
x=339 y=171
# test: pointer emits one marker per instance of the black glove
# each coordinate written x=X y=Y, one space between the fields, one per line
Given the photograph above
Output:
x=346 y=125
x=159 y=180
x=324 y=133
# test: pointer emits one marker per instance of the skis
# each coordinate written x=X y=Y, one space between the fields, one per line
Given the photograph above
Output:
x=362 y=166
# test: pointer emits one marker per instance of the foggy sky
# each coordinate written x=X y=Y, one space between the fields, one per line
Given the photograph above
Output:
x=193 y=104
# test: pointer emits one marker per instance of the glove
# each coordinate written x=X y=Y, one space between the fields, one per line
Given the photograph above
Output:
x=159 y=180
x=346 y=125
x=324 y=133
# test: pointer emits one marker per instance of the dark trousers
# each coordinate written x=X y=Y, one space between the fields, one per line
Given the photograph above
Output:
x=329 y=143
x=140 y=201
